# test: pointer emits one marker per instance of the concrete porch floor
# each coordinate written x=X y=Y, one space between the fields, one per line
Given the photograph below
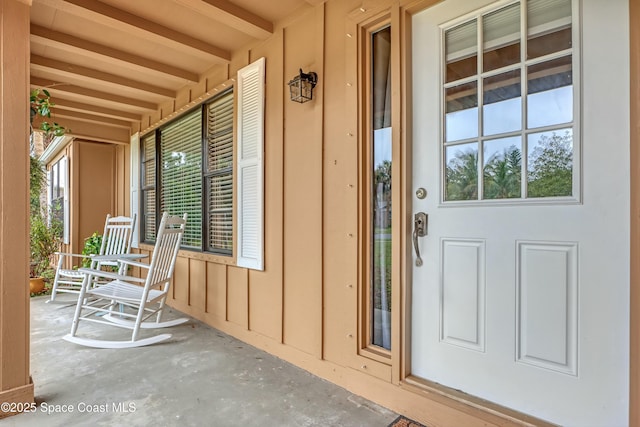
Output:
x=199 y=377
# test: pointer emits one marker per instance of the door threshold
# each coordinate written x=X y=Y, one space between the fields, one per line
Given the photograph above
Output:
x=476 y=406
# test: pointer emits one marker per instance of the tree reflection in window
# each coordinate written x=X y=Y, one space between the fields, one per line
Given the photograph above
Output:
x=550 y=164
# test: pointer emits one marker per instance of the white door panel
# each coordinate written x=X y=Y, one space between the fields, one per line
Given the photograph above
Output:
x=526 y=303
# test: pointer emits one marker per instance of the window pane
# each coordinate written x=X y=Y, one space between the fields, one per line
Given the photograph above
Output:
x=220 y=133
x=461 y=181
x=149 y=212
x=219 y=194
x=220 y=209
x=550 y=93
x=148 y=173
x=550 y=163
x=502 y=168
x=181 y=157
x=461 y=45
x=549 y=27
x=380 y=290
x=462 y=112
x=381 y=78
x=501 y=35
x=502 y=110
x=54 y=180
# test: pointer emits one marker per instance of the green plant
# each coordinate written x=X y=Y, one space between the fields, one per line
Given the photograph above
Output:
x=91 y=247
x=37 y=182
x=40 y=105
x=44 y=238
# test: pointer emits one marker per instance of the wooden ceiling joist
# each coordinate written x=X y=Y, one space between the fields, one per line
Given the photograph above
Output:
x=91 y=118
x=92 y=75
x=54 y=86
x=65 y=104
x=138 y=26
x=102 y=52
x=231 y=15
x=94 y=131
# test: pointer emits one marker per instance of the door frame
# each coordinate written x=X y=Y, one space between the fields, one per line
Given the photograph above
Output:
x=401 y=12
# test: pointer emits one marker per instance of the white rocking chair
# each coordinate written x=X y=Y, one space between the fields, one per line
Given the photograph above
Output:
x=127 y=301
x=116 y=241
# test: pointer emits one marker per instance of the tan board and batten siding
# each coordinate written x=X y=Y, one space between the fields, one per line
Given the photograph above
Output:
x=95 y=174
x=304 y=306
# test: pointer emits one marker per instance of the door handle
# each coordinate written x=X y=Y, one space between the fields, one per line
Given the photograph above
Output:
x=420 y=223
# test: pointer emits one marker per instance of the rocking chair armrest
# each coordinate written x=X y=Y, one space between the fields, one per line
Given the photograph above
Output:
x=133 y=263
x=116 y=257
x=63 y=254
x=110 y=275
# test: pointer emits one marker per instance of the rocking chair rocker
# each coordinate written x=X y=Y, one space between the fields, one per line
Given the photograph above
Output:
x=129 y=302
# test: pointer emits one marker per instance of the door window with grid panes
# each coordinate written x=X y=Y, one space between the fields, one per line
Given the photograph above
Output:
x=508 y=89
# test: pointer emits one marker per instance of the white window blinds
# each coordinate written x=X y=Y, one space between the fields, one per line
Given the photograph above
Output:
x=250 y=166
x=219 y=174
x=181 y=162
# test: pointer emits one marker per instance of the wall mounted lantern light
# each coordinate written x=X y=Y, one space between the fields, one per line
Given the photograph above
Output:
x=301 y=86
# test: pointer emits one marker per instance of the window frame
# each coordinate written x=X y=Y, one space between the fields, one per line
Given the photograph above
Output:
x=366 y=347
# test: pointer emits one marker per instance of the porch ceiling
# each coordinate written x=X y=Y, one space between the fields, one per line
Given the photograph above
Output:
x=109 y=62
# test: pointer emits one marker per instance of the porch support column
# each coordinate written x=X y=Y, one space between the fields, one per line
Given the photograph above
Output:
x=15 y=385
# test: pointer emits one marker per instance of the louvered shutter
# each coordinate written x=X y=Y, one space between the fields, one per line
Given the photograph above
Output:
x=134 y=183
x=181 y=162
x=219 y=174
x=250 y=192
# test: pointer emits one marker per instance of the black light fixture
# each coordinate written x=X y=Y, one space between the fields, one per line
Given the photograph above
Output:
x=301 y=86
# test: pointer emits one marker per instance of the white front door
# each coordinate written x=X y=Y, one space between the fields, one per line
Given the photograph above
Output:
x=520 y=139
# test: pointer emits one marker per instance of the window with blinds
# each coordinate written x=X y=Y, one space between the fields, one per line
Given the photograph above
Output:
x=188 y=167
x=219 y=174
x=181 y=174
x=200 y=164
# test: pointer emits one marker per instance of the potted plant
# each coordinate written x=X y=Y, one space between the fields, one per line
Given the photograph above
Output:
x=45 y=237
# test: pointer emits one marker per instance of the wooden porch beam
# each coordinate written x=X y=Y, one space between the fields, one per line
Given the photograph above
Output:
x=91 y=75
x=63 y=115
x=65 y=104
x=94 y=131
x=138 y=26
x=89 y=49
x=234 y=16
x=53 y=86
